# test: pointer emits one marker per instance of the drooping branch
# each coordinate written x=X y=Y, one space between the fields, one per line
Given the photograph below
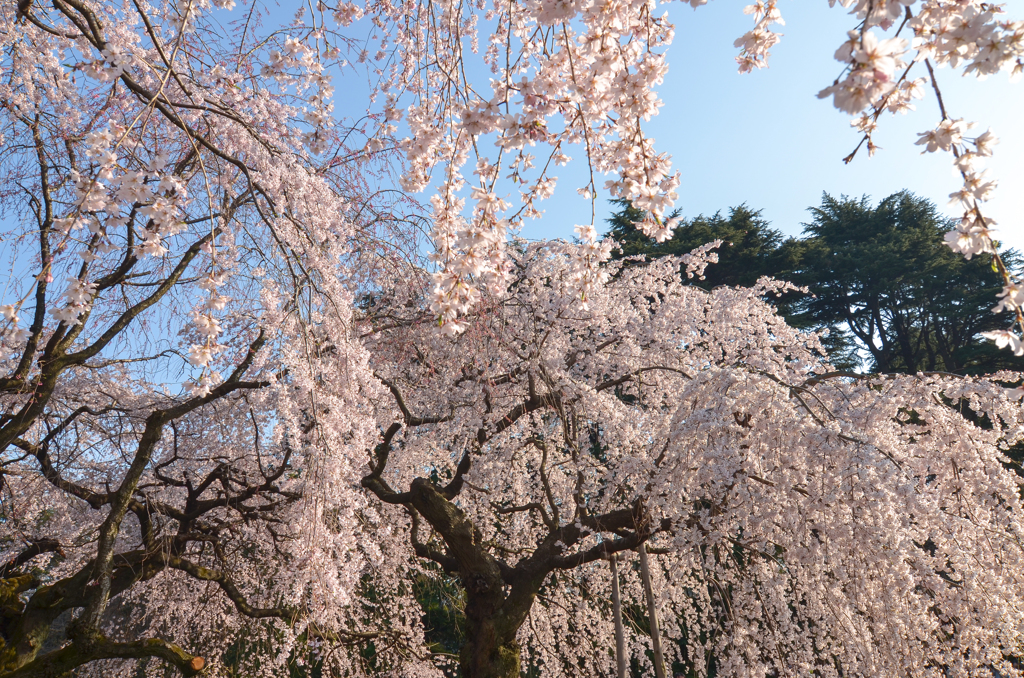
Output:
x=633 y=525
x=382 y=450
x=485 y=433
x=410 y=418
x=463 y=538
x=531 y=506
x=119 y=325
x=229 y=588
x=97 y=646
x=630 y=376
x=35 y=548
x=49 y=471
x=447 y=563
x=45 y=224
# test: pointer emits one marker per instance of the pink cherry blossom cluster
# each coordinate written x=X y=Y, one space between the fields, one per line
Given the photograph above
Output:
x=186 y=187
x=973 y=235
x=755 y=44
x=203 y=208
x=208 y=327
x=872 y=71
x=109 y=66
x=78 y=297
x=775 y=484
x=570 y=74
x=12 y=335
x=968 y=35
x=588 y=273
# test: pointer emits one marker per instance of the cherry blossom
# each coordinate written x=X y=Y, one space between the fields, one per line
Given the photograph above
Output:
x=251 y=390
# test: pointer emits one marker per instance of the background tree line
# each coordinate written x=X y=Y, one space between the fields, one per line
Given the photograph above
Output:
x=892 y=296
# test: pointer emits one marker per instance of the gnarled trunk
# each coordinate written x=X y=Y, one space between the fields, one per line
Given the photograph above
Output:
x=498 y=595
x=489 y=652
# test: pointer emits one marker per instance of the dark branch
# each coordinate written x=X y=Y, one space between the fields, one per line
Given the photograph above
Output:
x=36 y=548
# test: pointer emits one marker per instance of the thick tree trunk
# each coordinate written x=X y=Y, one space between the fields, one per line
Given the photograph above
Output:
x=498 y=596
x=488 y=652
x=494 y=613
x=492 y=619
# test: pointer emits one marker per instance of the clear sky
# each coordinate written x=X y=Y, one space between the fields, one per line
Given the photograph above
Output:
x=766 y=140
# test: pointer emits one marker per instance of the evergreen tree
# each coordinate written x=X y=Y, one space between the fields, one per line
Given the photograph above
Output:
x=750 y=247
x=880 y=280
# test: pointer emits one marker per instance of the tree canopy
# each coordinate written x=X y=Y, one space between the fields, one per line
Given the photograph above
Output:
x=882 y=276
x=750 y=247
x=880 y=280
x=249 y=426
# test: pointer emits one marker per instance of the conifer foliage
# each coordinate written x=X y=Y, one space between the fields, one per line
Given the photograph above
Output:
x=881 y=286
x=244 y=426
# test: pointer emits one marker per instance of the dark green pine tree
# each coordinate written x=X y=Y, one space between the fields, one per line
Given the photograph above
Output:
x=750 y=247
x=893 y=297
x=882 y=278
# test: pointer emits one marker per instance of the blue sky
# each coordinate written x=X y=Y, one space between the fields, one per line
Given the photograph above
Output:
x=766 y=140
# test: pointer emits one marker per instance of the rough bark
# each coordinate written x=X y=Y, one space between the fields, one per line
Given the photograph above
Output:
x=488 y=652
